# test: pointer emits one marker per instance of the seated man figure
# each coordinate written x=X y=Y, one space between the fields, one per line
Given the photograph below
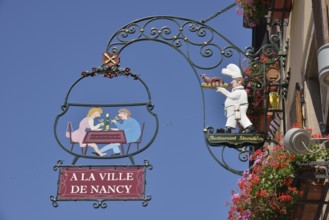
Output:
x=130 y=127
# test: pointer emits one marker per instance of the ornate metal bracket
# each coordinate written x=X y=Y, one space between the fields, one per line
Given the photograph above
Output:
x=187 y=36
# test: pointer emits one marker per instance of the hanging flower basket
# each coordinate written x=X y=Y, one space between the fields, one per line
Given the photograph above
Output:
x=275 y=184
x=267 y=190
x=253 y=11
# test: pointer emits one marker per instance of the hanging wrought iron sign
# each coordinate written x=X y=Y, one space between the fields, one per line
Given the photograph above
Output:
x=104 y=131
x=187 y=36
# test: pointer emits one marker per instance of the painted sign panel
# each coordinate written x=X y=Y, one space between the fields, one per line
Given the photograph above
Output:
x=107 y=183
x=218 y=139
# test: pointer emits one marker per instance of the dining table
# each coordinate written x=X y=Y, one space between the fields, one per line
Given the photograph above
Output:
x=106 y=137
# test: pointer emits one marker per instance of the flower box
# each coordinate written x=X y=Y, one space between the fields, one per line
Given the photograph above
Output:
x=314 y=194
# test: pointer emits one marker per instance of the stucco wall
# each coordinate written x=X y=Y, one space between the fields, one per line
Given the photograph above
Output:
x=300 y=32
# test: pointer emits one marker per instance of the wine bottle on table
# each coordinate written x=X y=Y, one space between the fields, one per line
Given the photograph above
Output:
x=107 y=122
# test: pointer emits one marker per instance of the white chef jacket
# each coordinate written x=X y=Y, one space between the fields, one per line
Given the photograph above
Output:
x=236 y=99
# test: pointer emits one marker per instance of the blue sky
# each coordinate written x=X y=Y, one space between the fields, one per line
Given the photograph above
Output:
x=45 y=45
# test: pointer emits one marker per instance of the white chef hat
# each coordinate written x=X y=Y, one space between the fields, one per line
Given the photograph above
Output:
x=232 y=70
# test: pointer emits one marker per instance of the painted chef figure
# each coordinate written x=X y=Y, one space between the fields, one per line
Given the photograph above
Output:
x=236 y=103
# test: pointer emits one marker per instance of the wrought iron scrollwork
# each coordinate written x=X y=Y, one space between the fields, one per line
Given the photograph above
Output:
x=188 y=36
x=57 y=165
x=146 y=200
x=244 y=154
x=54 y=201
x=148 y=165
x=100 y=204
x=182 y=34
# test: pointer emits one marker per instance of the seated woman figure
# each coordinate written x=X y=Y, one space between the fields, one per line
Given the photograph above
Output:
x=86 y=124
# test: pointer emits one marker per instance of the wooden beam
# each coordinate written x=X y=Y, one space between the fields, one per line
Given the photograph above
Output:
x=320 y=17
x=298 y=106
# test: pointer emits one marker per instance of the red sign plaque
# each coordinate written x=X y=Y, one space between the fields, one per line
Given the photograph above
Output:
x=106 y=183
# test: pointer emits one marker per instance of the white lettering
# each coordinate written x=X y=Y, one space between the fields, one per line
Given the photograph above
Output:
x=103 y=190
x=74 y=177
x=78 y=189
x=118 y=189
x=120 y=177
x=90 y=178
x=130 y=176
x=109 y=189
x=74 y=189
x=128 y=188
x=102 y=175
x=114 y=176
x=83 y=189
x=94 y=188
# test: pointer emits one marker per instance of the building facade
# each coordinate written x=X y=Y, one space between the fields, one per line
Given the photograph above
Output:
x=304 y=28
